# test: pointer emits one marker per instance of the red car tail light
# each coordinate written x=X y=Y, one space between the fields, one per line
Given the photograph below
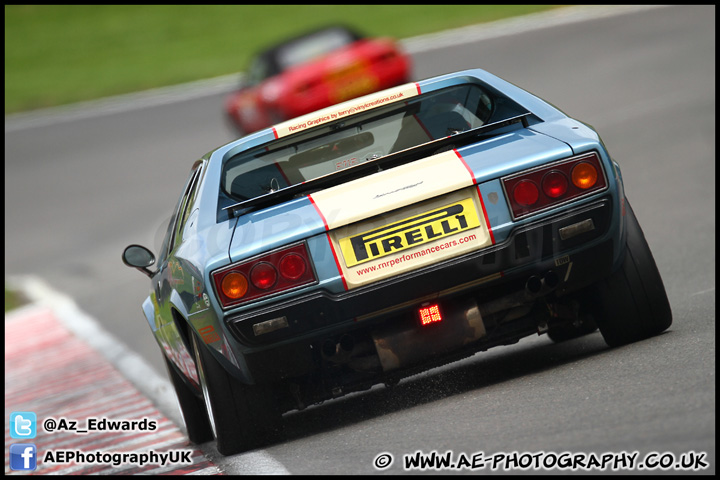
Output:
x=526 y=193
x=292 y=266
x=555 y=184
x=265 y=275
x=537 y=189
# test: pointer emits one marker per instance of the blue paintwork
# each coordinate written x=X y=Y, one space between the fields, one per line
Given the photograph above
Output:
x=500 y=156
x=550 y=136
x=273 y=227
x=497 y=209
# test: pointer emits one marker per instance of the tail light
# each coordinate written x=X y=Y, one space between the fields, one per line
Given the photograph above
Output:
x=534 y=190
x=234 y=285
x=526 y=193
x=292 y=266
x=555 y=184
x=584 y=175
x=265 y=275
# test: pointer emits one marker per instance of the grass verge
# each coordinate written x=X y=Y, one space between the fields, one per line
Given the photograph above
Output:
x=60 y=54
x=13 y=300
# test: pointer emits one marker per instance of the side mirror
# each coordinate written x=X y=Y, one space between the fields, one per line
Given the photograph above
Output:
x=139 y=257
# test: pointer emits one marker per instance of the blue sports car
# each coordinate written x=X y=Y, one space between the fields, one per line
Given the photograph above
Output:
x=384 y=236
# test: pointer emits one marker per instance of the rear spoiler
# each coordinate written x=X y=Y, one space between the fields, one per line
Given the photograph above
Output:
x=382 y=163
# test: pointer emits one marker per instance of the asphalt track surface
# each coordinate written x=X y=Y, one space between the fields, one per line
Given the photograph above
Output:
x=80 y=187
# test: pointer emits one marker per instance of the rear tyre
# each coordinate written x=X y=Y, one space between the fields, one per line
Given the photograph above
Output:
x=192 y=408
x=243 y=416
x=632 y=303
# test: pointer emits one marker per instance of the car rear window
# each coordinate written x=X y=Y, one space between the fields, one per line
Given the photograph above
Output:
x=372 y=134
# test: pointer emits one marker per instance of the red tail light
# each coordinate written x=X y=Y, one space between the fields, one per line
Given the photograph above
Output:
x=534 y=190
x=292 y=266
x=272 y=273
x=555 y=184
x=526 y=193
x=263 y=276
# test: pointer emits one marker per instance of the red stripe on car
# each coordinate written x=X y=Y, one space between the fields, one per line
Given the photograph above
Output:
x=482 y=204
x=332 y=248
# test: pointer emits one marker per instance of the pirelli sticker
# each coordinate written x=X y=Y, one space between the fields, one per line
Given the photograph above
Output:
x=410 y=232
x=411 y=237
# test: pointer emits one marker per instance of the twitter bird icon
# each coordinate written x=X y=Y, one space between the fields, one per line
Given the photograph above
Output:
x=23 y=425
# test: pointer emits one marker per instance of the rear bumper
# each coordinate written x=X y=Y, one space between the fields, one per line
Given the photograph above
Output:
x=492 y=279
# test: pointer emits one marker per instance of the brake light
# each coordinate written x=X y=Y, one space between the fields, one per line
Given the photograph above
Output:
x=555 y=184
x=292 y=266
x=534 y=190
x=265 y=275
x=526 y=193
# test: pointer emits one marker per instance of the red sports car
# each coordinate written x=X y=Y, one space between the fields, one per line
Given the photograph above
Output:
x=314 y=71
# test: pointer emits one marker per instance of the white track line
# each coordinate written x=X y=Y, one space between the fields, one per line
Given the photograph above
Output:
x=227 y=83
x=129 y=363
x=133 y=367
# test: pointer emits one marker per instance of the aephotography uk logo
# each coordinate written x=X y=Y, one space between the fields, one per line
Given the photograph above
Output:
x=23 y=456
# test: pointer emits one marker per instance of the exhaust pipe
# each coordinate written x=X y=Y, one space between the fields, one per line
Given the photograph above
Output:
x=534 y=284
x=541 y=285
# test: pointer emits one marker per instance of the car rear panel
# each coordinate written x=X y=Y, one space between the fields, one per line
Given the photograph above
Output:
x=338 y=222
x=434 y=229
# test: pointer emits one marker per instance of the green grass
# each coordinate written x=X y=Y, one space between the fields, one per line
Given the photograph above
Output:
x=59 y=54
x=12 y=300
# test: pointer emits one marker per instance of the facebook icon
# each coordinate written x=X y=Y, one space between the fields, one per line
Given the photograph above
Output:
x=23 y=456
